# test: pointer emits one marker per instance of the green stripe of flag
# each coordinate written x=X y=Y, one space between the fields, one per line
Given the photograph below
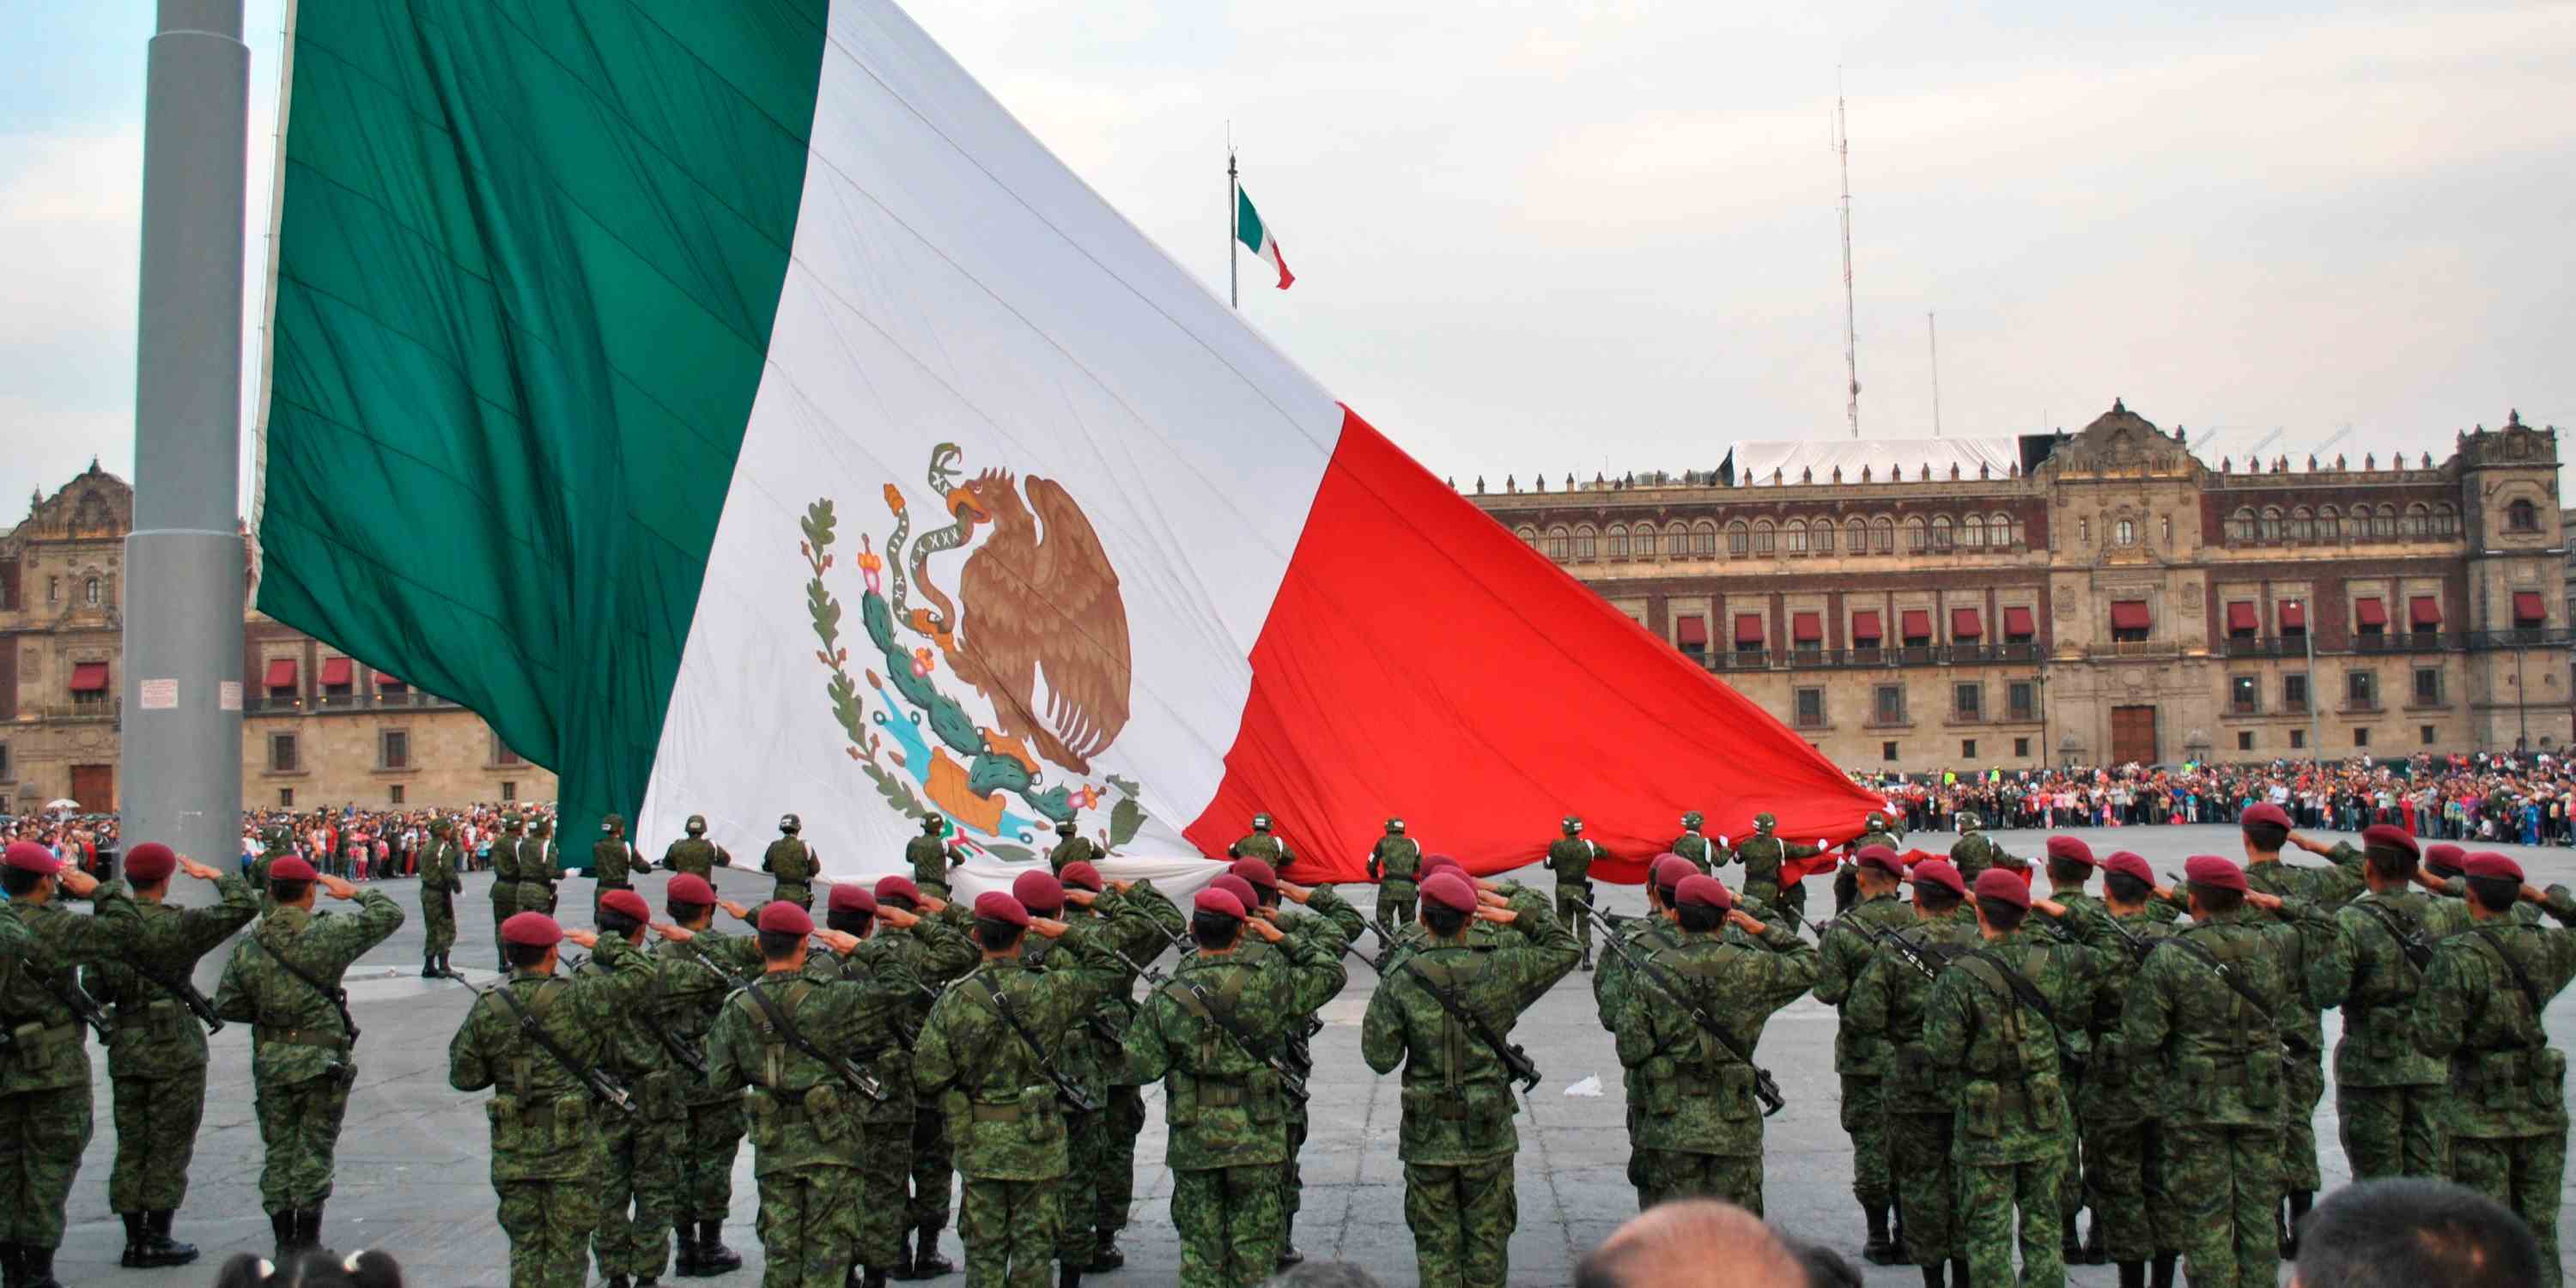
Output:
x=1247 y=221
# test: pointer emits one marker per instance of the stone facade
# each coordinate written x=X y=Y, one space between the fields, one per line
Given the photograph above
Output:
x=323 y=729
x=2123 y=600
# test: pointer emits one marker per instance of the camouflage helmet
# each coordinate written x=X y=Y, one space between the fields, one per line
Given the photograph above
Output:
x=1693 y=819
x=1261 y=822
x=510 y=822
x=441 y=826
x=1064 y=827
x=1968 y=821
x=790 y=824
x=1395 y=827
x=1572 y=824
x=1764 y=822
x=611 y=822
x=697 y=825
x=278 y=835
x=932 y=823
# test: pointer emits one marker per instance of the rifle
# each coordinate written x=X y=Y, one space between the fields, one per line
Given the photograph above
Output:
x=1065 y=1088
x=1288 y=1077
x=185 y=992
x=607 y=1088
x=77 y=1000
x=1908 y=951
x=689 y=1057
x=1765 y=1087
x=850 y=1074
x=1517 y=1066
x=2408 y=942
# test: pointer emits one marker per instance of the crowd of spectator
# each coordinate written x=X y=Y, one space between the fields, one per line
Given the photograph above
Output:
x=365 y=845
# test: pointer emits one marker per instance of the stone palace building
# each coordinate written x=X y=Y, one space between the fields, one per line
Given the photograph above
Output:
x=2096 y=598
x=318 y=727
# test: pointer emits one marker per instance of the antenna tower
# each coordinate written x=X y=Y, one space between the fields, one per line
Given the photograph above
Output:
x=1851 y=347
x=1932 y=329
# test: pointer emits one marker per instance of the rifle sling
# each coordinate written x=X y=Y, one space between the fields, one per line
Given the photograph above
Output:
x=1223 y=1019
x=1459 y=1011
x=338 y=998
x=2243 y=989
x=2521 y=979
x=536 y=1033
x=779 y=1020
x=2408 y=943
x=2023 y=991
x=1011 y=1016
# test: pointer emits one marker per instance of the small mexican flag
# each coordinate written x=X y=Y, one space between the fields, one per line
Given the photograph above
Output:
x=1249 y=230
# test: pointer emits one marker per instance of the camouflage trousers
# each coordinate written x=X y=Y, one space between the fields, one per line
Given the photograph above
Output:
x=2392 y=1131
x=156 y=1137
x=1396 y=911
x=707 y=1143
x=1230 y=1225
x=933 y=1170
x=42 y=1134
x=2124 y=1184
x=2303 y=1087
x=2070 y=1164
x=1927 y=1190
x=1672 y=1174
x=548 y=1223
x=438 y=920
x=1077 y=1199
x=1462 y=1218
x=299 y=1123
x=885 y=1166
x=1009 y=1228
x=1570 y=898
x=1865 y=1121
x=808 y=1221
x=1990 y=1196
x=2523 y=1173
x=1117 y=1178
x=638 y=1187
x=1292 y=1176
x=2225 y=1187
x=505 y=901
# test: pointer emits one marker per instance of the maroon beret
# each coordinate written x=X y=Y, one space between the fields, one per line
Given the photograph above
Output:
x=783 y=918
x=1236 y=886
x=2389 y=835
x=2445 y=857
x=2129 y=865
x=1081 y=874
x=150 y=862
x=2072 y=849
x=1669 y=869
x=1219 y=902
x=27 y=856
x=850 y=896
x=2214 y=872
x=1450 y=890
x=1942 y=873
x=531 y=929
x=286 y=868
x=895 y=887
x=1434 y=862
x=2263 y=813
x=993 y=905
x=2003 y=887
x=689 y=887
x=627 y=902
x=1038 y=892
x=1705 y=891
x=2488 y=863
x=1884 y=858
x=1260 y=874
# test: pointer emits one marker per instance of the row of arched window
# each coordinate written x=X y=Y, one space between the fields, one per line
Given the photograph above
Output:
x=1762 y=538
x=2328 y=523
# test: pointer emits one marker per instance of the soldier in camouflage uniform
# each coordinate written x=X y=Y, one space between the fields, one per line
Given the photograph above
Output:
x=540 y=866
x=1571 y=857
x=1763 y=856
x=505 y=884
x=1103 y=1148
x=2204 y=1023
x=277 y=841
x=2267 y=830
x=156 y=1054
x=793 y=862
x=697 y=974
x=2070 y=864
x=1997 y=1022
x=1700 y=1129
x=1693 y=846
x=807 y=1120
x=1321 y=937
x=984 y=1054
x=695 y=854
x=881 y=956
x=2118 y=1104
x=44 y=1081
x=439 y=885
x=2389 y=1092
x=2481 y=1006
x=1395 y=863
x=546 y=1124
x=1260 y=844
x=1974 y=851
x=931 y=860
x=2440 y=876
x=1074 y=848
x=1860 y=1057
x=614 y=860
x=283 y=979
x=1206 y=1032
x=1651 y=933
x=1457 y=1140
x=1888 y=1002
x=938 y=951
x=638 y=1169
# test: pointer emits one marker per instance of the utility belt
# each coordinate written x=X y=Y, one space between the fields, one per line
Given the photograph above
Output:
x=301 y=1037
x=26 y=1035
x=140 y=1017
x=616 y=885
x=2506 y=1078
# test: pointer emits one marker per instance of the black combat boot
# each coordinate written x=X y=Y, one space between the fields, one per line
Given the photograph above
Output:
x=308 y=1229
x=1068 y=1275
x=2162 y=1273
x=1932 y=1275
x=617 y=1281
x=9 y=1271
x=429 y=965
x=2070 y=1242
x=714 y=1258
x=282 y=1224
x=2133 y=1274
x=927 y=1263
x=37 y=1267
x=1958 y=1272
x=902 y=1267
x=1878 y=1250
x=159 y=1249
x=2300 y=1201
x=1108 y=1258
x=2096 y=1250
x=872 y=1277
x=134 y=1237
x=684 y=1260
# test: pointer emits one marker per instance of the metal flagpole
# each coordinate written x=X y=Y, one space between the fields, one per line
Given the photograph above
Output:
x=1233 y=230
x=184 y=564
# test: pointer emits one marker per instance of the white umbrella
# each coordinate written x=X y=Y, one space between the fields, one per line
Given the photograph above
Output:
x=62 y=805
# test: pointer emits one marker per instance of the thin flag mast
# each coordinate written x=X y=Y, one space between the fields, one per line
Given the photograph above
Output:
x=1233 y=228
x=1851 y=343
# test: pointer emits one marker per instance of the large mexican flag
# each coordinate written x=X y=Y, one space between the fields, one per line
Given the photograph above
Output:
x=742 y=411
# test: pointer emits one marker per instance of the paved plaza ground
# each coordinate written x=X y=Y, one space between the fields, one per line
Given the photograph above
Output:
x=412 y=1175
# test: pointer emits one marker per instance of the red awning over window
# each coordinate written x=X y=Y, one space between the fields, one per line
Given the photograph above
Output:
x=2528 y=608
x=2425 y=612
x=2370 y=612
x=2294 y=617
x=1748 y=629
x=1691 y=630
x=1917 y=623
x=1964 y=624
x=337 y=671
x=89 y=677
x=2130 y=615
x=281 y=673
x=384 y=681
x=1807 y=628
x=1865 y=626
x=2242 y=617
x=2017 y=621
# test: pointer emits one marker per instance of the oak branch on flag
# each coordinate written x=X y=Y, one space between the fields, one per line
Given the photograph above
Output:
x=747 y=416
x=1249 y=230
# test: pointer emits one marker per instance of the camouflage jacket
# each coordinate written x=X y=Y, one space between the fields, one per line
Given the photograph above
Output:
x=1611 y=983
x=881 y=962
x=695 y=979
x=2455 y=893
x=1139 y=940
x=2303 y=1033
x=1571 y=859
x=697 y=856
x=2214 y=1053
x=2366 y=971
x=633 y=1050
x=545 y=1123
x=2117 y=1089
x=297 y=1033
x=1762 y=857
x=930 y=861
x=1841 y=957
x=987 y=1074
x=1072 y=849
x=2484 y=1018
x=1395 y=863
x=614 y=862
x=1694 y=847
x=1694 y=1095
x=1263 y=846
x=1887 y=1003
x=54 y=942
x=792 y=861
x=1976 y=852
x=1457 y=1105
x=2005 y=1052
x=939 y=952
x=1206 y=1034
x=438 y=864
x=800 y=1112
x=1126 y=930
x=540 y=861
x=1309 y=954
x=156 y=1035
x=505 y=865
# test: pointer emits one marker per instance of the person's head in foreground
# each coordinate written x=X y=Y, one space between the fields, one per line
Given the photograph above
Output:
x=2414 y=1233
x=1691 y=1243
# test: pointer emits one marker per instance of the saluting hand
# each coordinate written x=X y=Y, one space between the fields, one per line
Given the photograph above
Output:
x=1122 y=887
x=1048 y=927
x=676 y=934
x=335 y=887
x=75 y=882
x=839 y=941
x=1744 y=921
x=736 y=910
x=2048 y=907
x=582 y=938
x=932 y=905
x=1496 y=913
x=1294 y=893
x=2266 y=902
x=1267 y=933
x=897 y=917
x=1079 y=897
x=1490 y=898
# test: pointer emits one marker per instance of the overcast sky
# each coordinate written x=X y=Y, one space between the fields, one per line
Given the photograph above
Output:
x=1602 y=235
